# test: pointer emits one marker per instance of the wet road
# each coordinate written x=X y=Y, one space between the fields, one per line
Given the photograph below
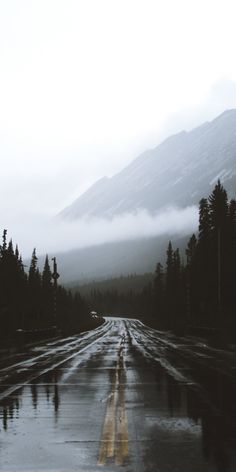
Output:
x=121 y=397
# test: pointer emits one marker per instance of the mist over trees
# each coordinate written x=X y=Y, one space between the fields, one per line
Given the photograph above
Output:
x=194 y=289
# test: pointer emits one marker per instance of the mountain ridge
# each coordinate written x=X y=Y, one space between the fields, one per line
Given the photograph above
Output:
x=179 y=171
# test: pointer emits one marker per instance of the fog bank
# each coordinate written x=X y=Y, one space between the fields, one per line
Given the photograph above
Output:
x=54 y=235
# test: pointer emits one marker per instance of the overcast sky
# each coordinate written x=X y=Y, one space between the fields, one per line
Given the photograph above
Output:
x=86 y=85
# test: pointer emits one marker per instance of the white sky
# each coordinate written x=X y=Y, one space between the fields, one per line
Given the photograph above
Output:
x=86 y=85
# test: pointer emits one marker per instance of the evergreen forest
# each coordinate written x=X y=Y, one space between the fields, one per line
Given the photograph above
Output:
x=195 y=290
x=32 y=304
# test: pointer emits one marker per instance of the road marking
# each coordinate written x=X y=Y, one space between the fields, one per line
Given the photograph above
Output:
x=107 y=448
x=122 y=442
x=114 y=444
x=14 y=388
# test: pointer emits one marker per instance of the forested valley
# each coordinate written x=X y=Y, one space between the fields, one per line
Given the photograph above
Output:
x=194 y=291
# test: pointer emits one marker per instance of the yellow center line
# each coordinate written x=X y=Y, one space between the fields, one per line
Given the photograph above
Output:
x=114 y=440
x=122 y=444
x=107 y=448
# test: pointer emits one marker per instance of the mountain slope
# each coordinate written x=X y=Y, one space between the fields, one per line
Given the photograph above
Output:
x=179 y=171
x=113 y=259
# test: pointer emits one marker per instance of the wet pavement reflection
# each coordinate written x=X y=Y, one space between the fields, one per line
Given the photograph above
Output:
x=115 y=406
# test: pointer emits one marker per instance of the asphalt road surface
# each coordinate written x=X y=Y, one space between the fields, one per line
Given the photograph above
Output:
x=122 y=397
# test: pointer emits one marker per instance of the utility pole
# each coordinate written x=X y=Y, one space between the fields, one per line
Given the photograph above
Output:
x=55 y=277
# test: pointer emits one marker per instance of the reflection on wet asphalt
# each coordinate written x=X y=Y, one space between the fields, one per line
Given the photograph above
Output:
x=123 y=397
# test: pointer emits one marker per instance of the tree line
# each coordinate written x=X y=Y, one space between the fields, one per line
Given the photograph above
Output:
x=197 y=287
x=29 y=300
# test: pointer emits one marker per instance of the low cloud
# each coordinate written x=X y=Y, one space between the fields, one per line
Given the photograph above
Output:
x=53 y=236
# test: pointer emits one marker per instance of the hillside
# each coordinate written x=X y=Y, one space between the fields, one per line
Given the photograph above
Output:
x=113 y=259
x=179 y=172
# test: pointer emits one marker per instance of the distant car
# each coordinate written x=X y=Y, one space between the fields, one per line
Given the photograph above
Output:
x=93 y=314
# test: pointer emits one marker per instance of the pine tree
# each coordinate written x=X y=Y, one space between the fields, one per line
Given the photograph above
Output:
x=191 y=278
x=17 y=252
x=204 y=221
x=46 y=275
x=169 y=292
x=202 y=283
x=191 y=250
x=159 y=279
x=169 y=269
x=10 y=249
x=33 y=270
x=176 y=266
x=218 y=207
x=47 y=293
x=12 y=282
x=34 y=293
x=4 y=241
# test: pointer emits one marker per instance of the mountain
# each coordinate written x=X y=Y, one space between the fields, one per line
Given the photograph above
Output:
x=179 y=171
x=113 y=259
